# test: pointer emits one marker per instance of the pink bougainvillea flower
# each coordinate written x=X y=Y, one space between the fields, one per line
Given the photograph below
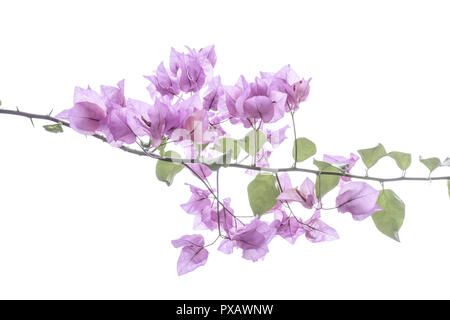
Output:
x=287 y=81
x=114 y=96
x=198 y=201
x=276 y=137
x=254 y=101
x=358 y=198
x=206 y=58
x=209 y=53
x=188 y=68
x=214 y=96
x=301 y=90
x=285 y=181
x=147 y=120
x=200 y=170
x=349 y=163
x=163 y=82
x=88 y=112
x=208 y=218
x=306 y=195
x=193 y=254
x=288 y=228
x=253 y=239
x=227 y=222
x=317 y=231
x=197 y=124
x=118 y=126
x=188 y=112
x=283 y=81
x=203 y=220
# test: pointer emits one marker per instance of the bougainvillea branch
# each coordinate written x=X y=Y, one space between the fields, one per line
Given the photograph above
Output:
x=231 y=165
x=191 y=110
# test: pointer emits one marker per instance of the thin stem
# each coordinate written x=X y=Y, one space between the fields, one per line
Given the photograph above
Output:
x=230 y=165
x=295 y=136
x=290 y=209
x=218 y=208
x=319 y=196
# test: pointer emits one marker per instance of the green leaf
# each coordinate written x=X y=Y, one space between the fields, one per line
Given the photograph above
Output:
x=327 y=182
x=305 y=149
x=446 y=163
x=390 y=219
x=262 y=193
x=165 y=170
x=448 y=185
x=431 y=163
x=372 y=155
x=54 y=128
x=341 y=166
x=402 y=159
x=253 y=142
x=220 y=161
x=200 y=147
x=162 y=146
x=227 y=144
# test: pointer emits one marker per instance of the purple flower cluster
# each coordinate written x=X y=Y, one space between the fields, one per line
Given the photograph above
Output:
x=188 y=106
x=196 y=117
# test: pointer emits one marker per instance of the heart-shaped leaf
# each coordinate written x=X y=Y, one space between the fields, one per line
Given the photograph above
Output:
x=263 y=193
x=402 y=159
x=448 y=185
x=227 y=144
x=372 y=155
x=253 y=142
x=165 y=170
x=305 y=149
x=390 y=219
x=220 y=161
x=327 y=182
x=431 y=163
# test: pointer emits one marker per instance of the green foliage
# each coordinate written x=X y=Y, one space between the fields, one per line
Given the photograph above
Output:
x=327 y=182
x=165 y=170
x=220 y=161
x=162 y=146
x=390 y=219
x=305 y=149
x=402 y=159
x=448 y=185
x=54 y=128
x=263 y=193
x=228 y=144
x=253 y=142
x=371 y=156
x=431 y=163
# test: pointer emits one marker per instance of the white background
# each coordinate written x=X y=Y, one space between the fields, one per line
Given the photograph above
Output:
x=79 y=219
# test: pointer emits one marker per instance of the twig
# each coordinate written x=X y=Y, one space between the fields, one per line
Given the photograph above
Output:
x=230 y=165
